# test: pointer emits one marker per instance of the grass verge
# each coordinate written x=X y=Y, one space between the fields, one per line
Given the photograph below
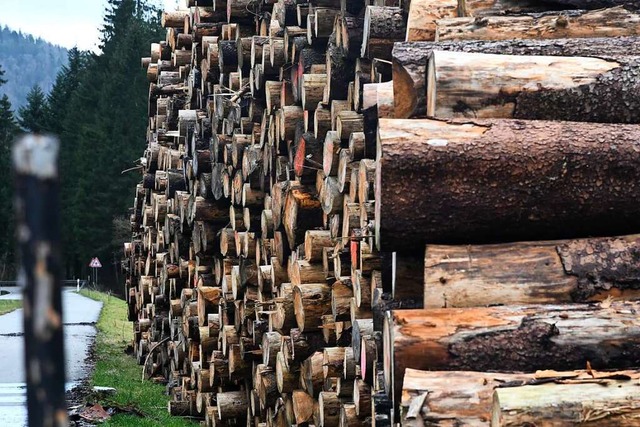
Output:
x=116 y=369
x=8 y=305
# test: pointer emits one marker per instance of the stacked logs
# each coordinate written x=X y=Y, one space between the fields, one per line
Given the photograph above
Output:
x=288 y=190
x=516 y=173
x=254 y=283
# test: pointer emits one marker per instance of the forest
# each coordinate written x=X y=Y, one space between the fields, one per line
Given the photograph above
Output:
x=101 y=128
x=28 y=60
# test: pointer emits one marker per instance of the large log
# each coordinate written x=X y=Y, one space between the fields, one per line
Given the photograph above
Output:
x=382 y=27
x=609 y=402
x=503 y=180
x=532 y=273
x=410 y=60
x=613 y=22
x=441 y=398
x=516 y=338
x=533 y=87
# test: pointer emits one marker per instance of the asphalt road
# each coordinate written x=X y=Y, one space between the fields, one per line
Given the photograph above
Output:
x=79 y=315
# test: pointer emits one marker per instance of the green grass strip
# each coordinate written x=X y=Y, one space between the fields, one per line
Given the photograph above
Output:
x=9 y=305
x=116 y=369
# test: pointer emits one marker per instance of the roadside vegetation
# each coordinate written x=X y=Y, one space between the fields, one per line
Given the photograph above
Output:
x=9 y=305
x=114 y=368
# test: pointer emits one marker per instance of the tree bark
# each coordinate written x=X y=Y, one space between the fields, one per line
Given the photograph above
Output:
x=311 y=302
x=603 y=402
x=232 y=404
x=516 y=338
x=555 y=272
x=463 y=169
x=613 y=22
x=443 y=398
x=533 y=87
x=382 y=27
x=410 y=60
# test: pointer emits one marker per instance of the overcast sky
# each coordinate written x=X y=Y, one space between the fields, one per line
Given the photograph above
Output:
x=67 y=23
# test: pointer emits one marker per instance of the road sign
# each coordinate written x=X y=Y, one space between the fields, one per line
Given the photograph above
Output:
x=95 y=263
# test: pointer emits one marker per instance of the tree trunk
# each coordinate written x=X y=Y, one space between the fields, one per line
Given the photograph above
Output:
x=232 y=404
x=382 y=27
x=532 y=87
x=174 y=19
x=410 y=60
x=503 y=180
x=311 y=302
x=442 y=398
x=603 y=402
x=561 y=337
x=555 y=272
x=613 y=22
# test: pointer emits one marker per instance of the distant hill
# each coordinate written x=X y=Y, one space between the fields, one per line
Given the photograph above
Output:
x=27 y=61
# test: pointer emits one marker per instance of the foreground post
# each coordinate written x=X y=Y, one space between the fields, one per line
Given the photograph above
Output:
x=35 y=160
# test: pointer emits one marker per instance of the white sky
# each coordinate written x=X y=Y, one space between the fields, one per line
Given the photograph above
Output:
x=67 y=23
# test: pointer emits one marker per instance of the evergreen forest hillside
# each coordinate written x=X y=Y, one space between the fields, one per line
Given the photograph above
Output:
x=28 y=61
x=101 y=128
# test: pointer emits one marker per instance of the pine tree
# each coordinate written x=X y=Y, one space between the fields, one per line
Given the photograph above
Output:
x=103 y=131
x=8 y=127
x=34 y=115
x=64 y=90
x=67 y=82
x=8 y=130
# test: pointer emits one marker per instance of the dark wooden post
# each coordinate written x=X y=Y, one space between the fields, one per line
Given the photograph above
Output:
x=35 y=160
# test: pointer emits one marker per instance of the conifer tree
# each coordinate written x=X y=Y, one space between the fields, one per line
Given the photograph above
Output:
x=67 y=81
x=33 y=116
x=8 y=130
x=103 y=131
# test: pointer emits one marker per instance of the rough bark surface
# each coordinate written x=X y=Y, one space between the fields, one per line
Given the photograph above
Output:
x=410 y=60
x=533 y=88
x=446 y=181
x=603 y=402
x=613 y=22
x=341 y=66
x=456 y=398
x=516 y=338
x=532 y=272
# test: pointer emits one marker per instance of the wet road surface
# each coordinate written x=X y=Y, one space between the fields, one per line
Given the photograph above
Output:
x=79 y=314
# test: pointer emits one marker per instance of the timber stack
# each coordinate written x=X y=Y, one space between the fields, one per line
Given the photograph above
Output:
x=370 y=213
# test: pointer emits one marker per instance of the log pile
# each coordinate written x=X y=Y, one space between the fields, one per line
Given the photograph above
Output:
x=292 y=184
x=253 y=273
x=482 y=99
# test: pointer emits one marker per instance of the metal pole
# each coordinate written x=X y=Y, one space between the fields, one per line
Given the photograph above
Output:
x=37 y=205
